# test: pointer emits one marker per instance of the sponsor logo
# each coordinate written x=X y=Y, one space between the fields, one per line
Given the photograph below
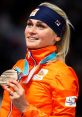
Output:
x=57 y=22
x=34 y=12
x=70 y=101
x=40 y=74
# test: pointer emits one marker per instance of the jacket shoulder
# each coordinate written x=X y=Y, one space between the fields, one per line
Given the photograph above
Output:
x=63 y=75
x=19 y=63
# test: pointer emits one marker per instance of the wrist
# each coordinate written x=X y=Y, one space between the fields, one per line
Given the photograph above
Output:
x=24 y=107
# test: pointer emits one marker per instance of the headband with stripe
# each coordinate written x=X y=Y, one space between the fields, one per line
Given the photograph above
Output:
x=50 y=17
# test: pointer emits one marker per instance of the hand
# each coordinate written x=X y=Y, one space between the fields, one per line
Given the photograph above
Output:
x=8 y=81
x=17 y=95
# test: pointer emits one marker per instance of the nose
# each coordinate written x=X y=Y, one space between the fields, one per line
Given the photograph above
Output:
x=32 y=30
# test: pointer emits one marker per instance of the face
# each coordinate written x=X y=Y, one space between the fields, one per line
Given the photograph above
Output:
x=38 y=34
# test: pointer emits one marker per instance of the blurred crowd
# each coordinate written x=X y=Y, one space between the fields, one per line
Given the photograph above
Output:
x=13 y=17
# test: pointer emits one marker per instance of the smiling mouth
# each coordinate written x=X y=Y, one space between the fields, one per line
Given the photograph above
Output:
x=32 y=38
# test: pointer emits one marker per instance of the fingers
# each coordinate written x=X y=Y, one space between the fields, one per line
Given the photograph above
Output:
x=13 y=95
x=14 y=85
x=14 y=89
x=9 y=82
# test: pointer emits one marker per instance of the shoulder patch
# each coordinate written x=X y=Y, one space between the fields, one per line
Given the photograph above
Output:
x=70 y=101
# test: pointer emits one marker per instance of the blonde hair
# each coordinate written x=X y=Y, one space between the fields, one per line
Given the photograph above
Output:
x=63 y=44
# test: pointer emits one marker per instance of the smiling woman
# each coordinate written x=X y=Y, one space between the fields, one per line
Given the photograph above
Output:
x=38 y=34
x=42 y=85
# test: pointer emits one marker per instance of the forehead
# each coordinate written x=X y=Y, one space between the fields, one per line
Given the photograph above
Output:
x=36 y=21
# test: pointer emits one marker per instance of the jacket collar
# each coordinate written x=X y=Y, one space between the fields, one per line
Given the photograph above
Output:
x=39 y=54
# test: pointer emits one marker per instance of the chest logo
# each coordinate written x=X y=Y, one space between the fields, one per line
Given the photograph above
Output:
x=40 y=74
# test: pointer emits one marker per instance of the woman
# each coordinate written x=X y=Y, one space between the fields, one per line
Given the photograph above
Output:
x=45 y=86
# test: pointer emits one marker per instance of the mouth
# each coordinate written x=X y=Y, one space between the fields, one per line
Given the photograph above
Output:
x=32 y=38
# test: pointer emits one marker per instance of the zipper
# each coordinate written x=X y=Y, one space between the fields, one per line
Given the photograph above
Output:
x=11 y=106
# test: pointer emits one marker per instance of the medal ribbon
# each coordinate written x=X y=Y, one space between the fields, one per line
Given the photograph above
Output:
x=26 y=72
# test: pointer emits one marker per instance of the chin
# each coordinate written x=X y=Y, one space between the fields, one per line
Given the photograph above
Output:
x=32 y=47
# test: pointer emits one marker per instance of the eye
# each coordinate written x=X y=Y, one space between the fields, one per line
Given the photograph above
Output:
x=41 y=26
x=29 y=24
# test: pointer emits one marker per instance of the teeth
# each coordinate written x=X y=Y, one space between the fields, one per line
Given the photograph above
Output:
x=31 y=38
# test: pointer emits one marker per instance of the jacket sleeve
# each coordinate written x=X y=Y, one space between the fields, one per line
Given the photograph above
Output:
x=5 y=107
x=65 y=91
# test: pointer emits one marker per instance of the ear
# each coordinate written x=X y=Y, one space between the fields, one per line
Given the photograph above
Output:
x=57 y=38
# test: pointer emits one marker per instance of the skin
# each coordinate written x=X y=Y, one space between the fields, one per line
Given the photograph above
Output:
x=37 y=35
x=16 y=91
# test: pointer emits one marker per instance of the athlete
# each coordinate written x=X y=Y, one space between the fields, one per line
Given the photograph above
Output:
x=42 y=85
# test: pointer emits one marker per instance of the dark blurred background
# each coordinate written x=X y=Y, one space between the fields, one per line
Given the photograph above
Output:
x=13 y=17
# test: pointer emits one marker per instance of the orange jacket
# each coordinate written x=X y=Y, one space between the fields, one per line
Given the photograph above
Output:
x=52 y=91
